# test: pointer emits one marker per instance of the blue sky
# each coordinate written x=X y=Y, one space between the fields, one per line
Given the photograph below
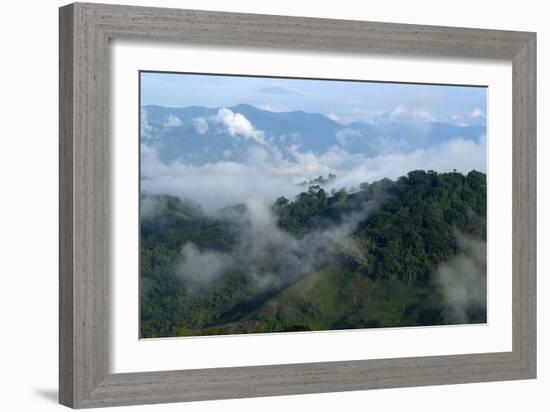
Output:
x=343 y=101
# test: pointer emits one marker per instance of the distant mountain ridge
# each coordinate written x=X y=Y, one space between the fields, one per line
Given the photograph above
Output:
x=198 y=135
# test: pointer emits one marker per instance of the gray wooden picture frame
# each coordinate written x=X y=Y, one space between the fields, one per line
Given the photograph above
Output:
x=85 y=32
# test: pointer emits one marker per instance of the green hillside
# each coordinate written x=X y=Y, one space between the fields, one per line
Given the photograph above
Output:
x=388 y=254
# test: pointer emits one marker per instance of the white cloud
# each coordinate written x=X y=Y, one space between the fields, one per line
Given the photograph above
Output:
x=356 y=115
x=272 y=108
x=303 y=164
x=460 y=154
x=201 y=267
x=172 y=121
x=458 y=120
x=220 y=184
x=477 y=112
x=238 y=125
x=474 y=117
x=291 y=138
x=334 y=117
x=464 y=279
x=200 y=124
x=265 y=174
x=399 y=113
x=407 y=114
x=346 y=136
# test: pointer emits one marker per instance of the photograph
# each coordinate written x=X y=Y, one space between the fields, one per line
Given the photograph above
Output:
x=271 y=204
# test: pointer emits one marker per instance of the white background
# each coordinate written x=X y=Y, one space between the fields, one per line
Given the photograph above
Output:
x=28 y=349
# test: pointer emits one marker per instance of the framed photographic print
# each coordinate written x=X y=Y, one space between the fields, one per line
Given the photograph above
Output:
x=257 y=205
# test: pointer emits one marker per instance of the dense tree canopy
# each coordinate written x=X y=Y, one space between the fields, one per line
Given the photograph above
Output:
x=381 y=272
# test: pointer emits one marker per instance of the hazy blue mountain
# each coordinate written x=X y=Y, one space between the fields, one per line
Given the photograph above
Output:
x=196 y=134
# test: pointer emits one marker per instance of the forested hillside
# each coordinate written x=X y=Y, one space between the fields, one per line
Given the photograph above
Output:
x=391 y=253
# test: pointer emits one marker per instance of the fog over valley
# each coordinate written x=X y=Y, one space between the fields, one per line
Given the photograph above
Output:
x=219 y=157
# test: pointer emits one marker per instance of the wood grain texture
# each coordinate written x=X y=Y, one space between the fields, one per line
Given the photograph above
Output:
x=66 y=228
x=85 y=31
x=84 y=253
x=524 y=225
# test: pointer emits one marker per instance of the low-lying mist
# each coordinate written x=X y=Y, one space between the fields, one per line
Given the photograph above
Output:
x=464 y=281
x=269 y=256
x=266 y=174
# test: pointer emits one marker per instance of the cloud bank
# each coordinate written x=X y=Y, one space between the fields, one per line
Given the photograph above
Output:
x=265 y=174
